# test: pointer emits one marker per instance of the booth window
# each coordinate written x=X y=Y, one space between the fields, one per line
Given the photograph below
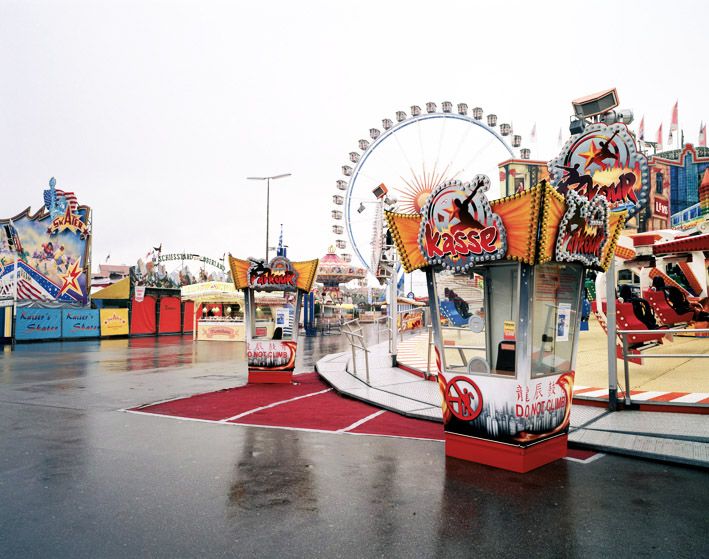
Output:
x=272 y=321
x=554 y=318
x=460 y=299
x=479 y=338
x=502 y=284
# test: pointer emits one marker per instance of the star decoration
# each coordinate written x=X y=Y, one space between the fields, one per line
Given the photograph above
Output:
x=590 y=155
x=70 y=279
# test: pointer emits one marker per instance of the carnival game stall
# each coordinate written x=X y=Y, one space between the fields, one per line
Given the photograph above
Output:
x=272 y=331
x=45 y=263
x=214 y=311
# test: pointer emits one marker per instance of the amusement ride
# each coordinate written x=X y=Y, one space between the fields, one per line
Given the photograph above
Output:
x=401 y=164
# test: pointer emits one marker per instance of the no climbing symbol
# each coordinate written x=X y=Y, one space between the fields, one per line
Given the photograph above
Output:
x=464 y=398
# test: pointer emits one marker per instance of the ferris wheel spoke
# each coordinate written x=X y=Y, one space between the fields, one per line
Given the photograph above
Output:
x=476 y=156
x=460 y=145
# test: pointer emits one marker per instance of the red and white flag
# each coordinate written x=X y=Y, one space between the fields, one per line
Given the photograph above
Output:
x=703 y=134
x=533 y=135
x=70 y=198
x=659 y=139
x=641 y=130
x=673 y=126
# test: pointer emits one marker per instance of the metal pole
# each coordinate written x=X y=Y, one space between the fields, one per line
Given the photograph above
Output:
x=625 y=365
x=393 y=313
x=610 y=325
x=268 y=202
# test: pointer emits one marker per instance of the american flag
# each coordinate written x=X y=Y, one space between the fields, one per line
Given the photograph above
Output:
x=59 y=194
x=25 y=290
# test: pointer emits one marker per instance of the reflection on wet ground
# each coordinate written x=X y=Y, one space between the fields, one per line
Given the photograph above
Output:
x=78 y=478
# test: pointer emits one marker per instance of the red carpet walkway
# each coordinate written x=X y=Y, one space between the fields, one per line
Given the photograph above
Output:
x=308 y=405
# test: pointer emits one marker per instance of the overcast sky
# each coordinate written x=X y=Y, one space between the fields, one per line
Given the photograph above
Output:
x=155 y=112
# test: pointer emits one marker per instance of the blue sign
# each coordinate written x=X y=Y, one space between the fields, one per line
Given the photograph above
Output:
x=38 y=324
x=82 y=323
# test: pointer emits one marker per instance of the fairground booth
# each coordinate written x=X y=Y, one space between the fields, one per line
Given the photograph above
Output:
x=217 y=311
x=507 y=376
x=45 y=263
x=147 y=303
x=271 y=330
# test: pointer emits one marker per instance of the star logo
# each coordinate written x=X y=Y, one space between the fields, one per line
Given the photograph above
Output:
x=590 y=155
x=70 y=280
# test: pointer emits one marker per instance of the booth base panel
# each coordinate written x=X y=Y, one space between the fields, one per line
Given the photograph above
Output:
x=270 y=377
x=506 y=456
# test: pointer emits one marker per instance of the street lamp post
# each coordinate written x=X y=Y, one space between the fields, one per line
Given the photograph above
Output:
x=268 y=197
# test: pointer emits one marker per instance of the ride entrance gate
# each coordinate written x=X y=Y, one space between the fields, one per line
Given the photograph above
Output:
x=505 y=279
x=272 y=330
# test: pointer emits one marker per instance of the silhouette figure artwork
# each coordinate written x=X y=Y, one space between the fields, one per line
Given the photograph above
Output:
x=573 y=177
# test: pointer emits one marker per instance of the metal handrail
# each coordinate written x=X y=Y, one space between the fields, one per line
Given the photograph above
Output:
x=624 y=336
x=353 y=331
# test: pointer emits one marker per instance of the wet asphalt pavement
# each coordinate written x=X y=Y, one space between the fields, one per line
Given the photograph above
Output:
x=79 y=478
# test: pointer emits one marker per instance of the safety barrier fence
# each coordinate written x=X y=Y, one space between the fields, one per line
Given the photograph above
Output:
x=624 y=336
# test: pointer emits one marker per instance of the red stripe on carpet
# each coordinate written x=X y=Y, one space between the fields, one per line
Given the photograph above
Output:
x=579 y=454
x=396 y=425
x=326 y=412
x=667 y=397
x=222 y=404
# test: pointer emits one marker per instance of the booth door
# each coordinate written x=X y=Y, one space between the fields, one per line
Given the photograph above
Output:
x=170 y=315
x=188 y=320
x=143 y=317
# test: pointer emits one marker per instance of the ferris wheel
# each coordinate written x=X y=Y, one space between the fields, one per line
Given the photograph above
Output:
x=401 y=165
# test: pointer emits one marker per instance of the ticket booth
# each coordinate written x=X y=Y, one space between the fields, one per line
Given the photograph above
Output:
x=505 y=279
x=272 y=330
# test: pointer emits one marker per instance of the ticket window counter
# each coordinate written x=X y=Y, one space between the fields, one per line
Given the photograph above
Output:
x=481 y=325
x=468 y=302
x=509 y=345
x=263 y=326
x=272 y=339
x=272 y=330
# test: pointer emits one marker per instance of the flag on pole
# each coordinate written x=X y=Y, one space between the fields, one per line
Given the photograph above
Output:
x=673 y=126
x=533 y=135
x=659 y=139
x=703 y=134
x=559 y=137
x=669 y=138
x=109 y=256
x=641 y=130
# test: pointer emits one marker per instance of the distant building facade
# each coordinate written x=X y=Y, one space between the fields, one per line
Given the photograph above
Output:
x=521 y=174
x=676 y=179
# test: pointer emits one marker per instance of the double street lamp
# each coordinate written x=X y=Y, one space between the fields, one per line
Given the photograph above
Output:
x=268 y=195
